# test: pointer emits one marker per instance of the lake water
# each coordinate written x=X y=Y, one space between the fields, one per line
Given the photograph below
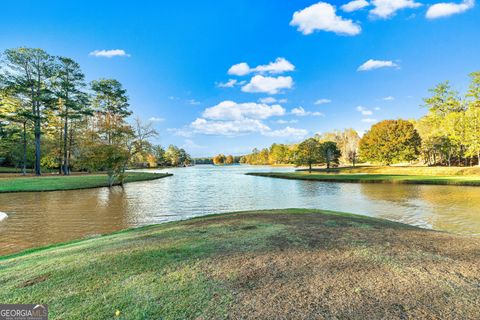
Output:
x=36 y=219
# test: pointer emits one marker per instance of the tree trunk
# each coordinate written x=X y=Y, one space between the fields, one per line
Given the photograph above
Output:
x=111 y=178
x=310 y=168
x=478 y=158
x=24 y=167
x=60 y=159
x=66 y=165
x=70 y=144
x=38 y=151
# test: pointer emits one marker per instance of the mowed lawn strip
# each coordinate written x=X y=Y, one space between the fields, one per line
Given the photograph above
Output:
x=54 y=183
x=289 y=264
x=373 y=178
x=404 y=170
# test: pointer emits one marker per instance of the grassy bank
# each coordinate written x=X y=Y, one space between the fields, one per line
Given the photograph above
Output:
x=405 y=170
x=267 y=264
x=54 y=183
x=373 y=178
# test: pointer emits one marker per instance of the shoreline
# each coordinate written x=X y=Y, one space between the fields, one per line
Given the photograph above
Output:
x=472 y=181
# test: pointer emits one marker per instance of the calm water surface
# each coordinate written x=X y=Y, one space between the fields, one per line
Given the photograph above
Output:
x=37 y=219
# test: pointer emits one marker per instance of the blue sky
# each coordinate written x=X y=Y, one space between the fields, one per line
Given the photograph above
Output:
x=177 y=55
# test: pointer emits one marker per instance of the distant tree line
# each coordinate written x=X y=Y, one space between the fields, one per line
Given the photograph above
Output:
x=329 y=148
x=204 y=160
x=50 y=118
x=221 y=159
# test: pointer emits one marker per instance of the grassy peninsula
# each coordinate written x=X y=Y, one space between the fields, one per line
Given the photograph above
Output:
x=294 y=263
x=373 y=174
x=73 y=182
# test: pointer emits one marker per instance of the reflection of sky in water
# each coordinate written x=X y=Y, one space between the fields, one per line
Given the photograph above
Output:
x=42 y=218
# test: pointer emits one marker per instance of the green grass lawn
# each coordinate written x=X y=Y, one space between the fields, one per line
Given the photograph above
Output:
x=374 y=178
x=290 y=264
x=405 y=170
x=53 y=183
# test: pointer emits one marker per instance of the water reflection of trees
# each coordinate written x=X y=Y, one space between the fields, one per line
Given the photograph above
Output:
x=457 y=208
x=317 y=189
x=399 y=193
x=48 y=217
x=452 y=208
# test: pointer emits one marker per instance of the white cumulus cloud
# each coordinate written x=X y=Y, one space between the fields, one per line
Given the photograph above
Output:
x=228 y=128
x=109 y=53
x=280 y=65
x=322 y=16
x=387 y=8
x=230 y=110
x=377 y=64
x=271 y=85
x=354 y=5
x=445 y=9
x=301 y=112
x=239 y=69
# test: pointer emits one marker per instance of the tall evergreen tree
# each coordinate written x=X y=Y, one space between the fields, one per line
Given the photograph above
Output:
x=27 y=74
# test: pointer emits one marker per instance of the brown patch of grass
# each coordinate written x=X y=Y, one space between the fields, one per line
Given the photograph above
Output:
x=34 y=281
x=325 y=267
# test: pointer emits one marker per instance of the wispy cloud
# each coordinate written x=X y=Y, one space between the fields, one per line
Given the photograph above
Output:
x=267 y=100
x=354 y=5
x=281 y=121
x=190 y=144
x=193 y=102
x=322 y=101
x=229 y=84
x=364 y=111
x=287 y=132
x=109 y=53
x=301 y=112
x=388 y=98
x=377 y=64
x=156 y=119
x=385 y=9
